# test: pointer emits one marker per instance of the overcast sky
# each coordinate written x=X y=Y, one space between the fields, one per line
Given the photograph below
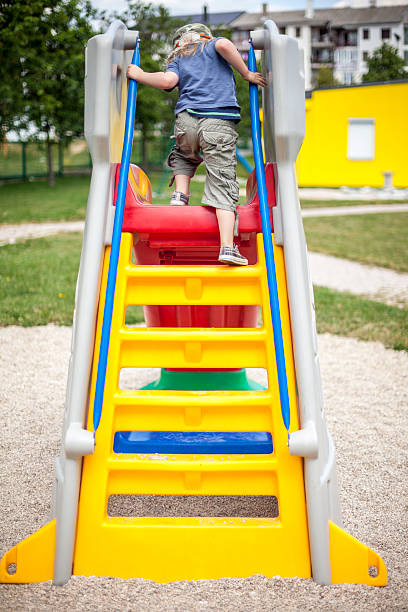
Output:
x=181 y=7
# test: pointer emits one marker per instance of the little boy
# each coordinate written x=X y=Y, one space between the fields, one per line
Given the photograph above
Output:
x=206 y=115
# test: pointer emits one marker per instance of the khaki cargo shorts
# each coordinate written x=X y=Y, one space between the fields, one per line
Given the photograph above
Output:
x=216 y=139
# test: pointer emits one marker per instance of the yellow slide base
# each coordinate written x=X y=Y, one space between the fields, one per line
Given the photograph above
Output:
x=32 y=560
x=352 y=562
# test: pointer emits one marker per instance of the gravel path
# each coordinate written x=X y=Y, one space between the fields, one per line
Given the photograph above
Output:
x=9 y=234
x=379 y=284
x=365 y=397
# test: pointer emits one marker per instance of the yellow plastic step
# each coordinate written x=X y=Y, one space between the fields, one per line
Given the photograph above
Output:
x=193 y=285
x=193 y=410
x=189 y=348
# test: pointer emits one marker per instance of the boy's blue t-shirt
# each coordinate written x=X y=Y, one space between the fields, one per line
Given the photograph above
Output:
x=206 y=81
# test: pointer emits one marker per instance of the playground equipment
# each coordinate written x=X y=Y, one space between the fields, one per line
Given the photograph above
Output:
x=203 y=429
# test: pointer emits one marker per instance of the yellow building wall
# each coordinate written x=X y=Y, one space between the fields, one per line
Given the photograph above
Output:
x=323 y=159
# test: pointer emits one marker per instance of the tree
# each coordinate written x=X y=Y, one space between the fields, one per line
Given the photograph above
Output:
x=11 y=88
x=325 y=77
x=49 y=41
x=385 y=65
x=154 y=108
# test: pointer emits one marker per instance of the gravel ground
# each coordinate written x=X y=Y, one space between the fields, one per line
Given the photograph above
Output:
x=365 y=397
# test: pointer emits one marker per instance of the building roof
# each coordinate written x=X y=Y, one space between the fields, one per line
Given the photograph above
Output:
x=337 y=17
x=213 y=19
x=309 y=92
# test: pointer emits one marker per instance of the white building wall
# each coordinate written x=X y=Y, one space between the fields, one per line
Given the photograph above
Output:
x=375 y=41
x=305 y=43
x=346 y=63
x=349 y=62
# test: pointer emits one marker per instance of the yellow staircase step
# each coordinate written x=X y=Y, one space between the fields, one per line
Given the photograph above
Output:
x=193 y=285
x=167 y=550
x=193 y=410
x=210 y=475
x=190 y=348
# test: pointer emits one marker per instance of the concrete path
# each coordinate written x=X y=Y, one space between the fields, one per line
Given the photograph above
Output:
x=378 y=284
x=365 y=209
x=352 y=193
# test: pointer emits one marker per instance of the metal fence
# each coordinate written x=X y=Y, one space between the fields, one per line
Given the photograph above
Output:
x=28 y=160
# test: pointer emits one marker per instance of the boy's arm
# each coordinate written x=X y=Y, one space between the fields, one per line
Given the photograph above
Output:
x=159 y=80
x=229 y=52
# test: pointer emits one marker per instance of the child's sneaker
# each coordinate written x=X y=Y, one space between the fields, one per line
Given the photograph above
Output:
x=179 y=199
x=232 y=256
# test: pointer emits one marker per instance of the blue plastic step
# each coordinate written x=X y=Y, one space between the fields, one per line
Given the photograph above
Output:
x=188 y=442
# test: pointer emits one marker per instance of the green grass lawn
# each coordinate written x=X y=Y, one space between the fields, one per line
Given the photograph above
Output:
x=344 y=314
x=37 y=286
x=378 y=240
x=36 y=202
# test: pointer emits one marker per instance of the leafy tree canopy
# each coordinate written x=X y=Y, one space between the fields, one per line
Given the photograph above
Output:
x=155 y=26
x=385 y=65
x=42 y=73
x=42 y=68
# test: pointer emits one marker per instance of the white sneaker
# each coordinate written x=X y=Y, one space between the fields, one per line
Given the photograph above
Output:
x=179 y=199
x=232 y=256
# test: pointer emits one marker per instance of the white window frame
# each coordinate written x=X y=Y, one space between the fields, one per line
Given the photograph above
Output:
x=361 y=138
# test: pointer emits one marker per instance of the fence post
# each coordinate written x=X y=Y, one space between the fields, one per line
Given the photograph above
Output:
x=24 y=160
x=60 y=159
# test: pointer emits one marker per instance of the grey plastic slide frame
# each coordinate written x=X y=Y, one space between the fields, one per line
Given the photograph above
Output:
x=107 y=58
x=284 y=129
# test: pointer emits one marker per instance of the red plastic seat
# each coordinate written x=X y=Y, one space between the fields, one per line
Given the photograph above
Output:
x=188 y=235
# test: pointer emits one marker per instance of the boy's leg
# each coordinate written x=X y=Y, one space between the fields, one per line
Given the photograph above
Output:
x=182 y=183
x=226 y=222
x=181 y=193
x=184 y=157
x=218 y=139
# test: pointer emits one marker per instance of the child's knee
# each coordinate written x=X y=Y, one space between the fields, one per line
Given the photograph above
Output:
x=182 y=163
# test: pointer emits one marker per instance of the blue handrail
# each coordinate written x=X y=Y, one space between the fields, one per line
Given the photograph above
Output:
x=244 y=161
x=268 y=245
x=116 y=237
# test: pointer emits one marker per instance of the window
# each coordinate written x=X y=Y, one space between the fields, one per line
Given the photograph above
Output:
x=406 y=57
x=282 y=30
x=365 y=56
x=360 y=139
x=366 y=34
x=405 y=34
x=298 y=32
x=348 y=78
x=385 y=33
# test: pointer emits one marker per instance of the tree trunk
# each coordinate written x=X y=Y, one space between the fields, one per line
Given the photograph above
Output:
x=50 y=169
x=144 y=152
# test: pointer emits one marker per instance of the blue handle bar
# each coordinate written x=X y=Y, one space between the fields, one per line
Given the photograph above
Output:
x=116 y=237
x=268 y=245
